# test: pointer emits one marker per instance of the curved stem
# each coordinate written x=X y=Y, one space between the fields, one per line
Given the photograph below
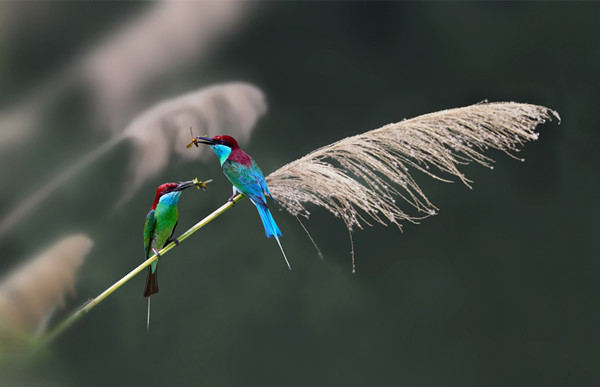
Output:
x=66 y=323
x=23 y=208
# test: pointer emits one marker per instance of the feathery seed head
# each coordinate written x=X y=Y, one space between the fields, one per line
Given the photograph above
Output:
x=359 y=177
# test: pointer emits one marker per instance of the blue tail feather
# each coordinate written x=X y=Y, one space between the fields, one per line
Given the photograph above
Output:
x=271 y=228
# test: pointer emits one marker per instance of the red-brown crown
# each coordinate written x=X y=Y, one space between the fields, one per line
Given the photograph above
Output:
x=162 y=190
x=226 y=140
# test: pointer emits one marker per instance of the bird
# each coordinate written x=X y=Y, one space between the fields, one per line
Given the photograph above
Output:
x=160 y=225
x=247 y=178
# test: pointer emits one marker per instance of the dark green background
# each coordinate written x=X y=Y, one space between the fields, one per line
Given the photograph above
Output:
x=499 y=289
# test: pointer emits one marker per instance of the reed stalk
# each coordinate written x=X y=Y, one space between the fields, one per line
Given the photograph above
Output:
x=70 y=320
x=359 y=178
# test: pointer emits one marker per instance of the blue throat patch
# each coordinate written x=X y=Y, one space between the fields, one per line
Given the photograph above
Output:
x=170 y=199
x=222 y=152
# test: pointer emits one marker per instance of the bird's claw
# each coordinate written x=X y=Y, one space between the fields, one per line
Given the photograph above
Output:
x=176 y=241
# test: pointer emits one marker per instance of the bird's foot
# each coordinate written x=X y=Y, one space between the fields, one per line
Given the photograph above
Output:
x=157 y=253
x=176 y=241
x=230 y=200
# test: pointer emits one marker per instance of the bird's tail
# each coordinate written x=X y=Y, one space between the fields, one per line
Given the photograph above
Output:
x=271 y=229
x=282 y=252
x=151 y=288
x=151 y=283
x=148 y=318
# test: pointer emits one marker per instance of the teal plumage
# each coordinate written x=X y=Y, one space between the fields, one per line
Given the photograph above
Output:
x=249 y=180
x=245 y=175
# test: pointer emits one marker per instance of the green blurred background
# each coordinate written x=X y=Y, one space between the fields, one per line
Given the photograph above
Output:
x=501 y=288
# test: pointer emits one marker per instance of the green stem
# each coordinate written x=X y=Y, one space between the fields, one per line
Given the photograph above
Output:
x=62 y=326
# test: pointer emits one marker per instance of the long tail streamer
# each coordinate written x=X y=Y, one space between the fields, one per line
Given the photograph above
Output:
x=148 y=319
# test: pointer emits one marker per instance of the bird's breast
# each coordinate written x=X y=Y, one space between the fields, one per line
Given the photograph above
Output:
x=169 y=199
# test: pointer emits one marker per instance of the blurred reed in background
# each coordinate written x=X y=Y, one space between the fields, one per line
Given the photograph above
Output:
x=162 y=39
x=160 y=132
x=116 y=72
x=233 y=108
x=165 y=37
x=31 y=293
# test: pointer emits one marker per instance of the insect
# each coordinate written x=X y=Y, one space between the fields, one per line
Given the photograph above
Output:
x=195 y=140
x=201 y=184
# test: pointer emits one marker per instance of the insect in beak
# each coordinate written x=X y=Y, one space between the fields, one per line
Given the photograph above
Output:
x=194 y=140
x=201 y=184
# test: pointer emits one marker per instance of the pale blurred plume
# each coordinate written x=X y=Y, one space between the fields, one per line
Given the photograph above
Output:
x=164 y=129
x=161 y=131
x=32 y=291
x=158 y=43
x=163 y=38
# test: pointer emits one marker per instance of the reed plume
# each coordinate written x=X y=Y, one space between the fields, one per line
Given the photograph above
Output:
x=165 y=37
x=157 y=133
x=359 y=178
x=31 y=292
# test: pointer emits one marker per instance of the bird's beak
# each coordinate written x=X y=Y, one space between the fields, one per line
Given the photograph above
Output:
x=204 y=140
x=186 y=184
x=201 y=140
x=193 y=183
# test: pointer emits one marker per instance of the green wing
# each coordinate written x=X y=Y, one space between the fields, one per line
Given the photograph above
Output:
x=149 y=232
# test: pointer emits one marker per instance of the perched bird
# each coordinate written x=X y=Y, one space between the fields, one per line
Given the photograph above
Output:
x=160 y=225
x=246 y=177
